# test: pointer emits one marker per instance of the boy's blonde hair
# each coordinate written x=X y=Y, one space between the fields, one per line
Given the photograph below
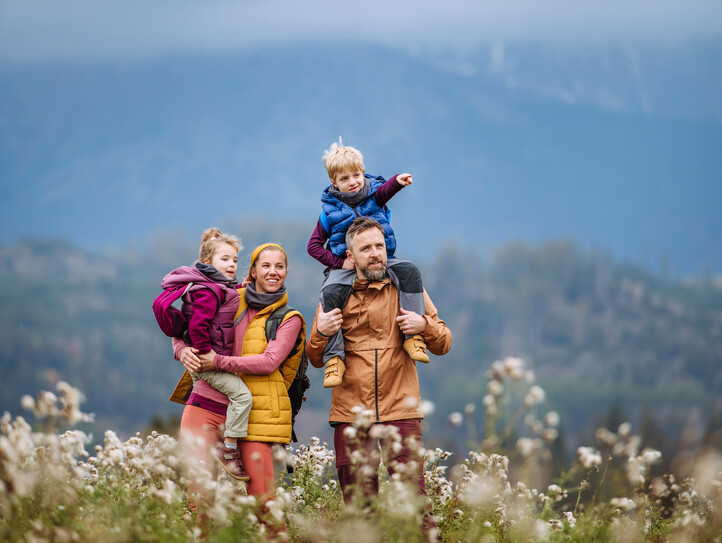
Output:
x=213 y=238
x=340 y=157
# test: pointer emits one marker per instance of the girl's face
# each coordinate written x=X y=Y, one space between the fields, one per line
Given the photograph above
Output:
x=269 y=271
x=225 y=260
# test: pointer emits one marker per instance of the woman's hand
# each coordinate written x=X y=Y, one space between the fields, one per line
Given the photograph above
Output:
x=206 y=360
x=189 y=359
x=329 y=323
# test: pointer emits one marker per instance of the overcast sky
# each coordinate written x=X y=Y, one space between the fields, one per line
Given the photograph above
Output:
x=41 y=30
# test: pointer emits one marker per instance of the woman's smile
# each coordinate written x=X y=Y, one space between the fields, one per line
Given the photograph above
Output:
x=269 y=271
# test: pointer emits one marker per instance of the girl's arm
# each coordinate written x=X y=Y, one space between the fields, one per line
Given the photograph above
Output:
x=205 y=306
x=276 y=352
x=317 y=250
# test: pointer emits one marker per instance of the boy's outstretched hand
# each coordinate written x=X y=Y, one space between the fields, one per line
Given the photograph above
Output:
x=404 y=179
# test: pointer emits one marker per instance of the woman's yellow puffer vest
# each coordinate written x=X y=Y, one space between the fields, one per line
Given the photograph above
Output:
x=270 y=417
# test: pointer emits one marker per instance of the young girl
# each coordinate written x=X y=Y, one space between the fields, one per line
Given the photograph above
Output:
x=210 y=302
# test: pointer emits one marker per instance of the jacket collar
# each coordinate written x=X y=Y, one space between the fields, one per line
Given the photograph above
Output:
x=364 y=284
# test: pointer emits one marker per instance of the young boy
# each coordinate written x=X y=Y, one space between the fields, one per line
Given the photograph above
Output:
x=352 y=193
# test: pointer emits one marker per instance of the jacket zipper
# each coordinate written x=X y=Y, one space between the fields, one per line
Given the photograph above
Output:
x=376 y=382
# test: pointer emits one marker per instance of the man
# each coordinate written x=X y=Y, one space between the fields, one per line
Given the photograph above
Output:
x=380 y=376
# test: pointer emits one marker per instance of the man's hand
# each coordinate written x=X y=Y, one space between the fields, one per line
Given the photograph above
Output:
x=411 y=323
x=206 y=360
x=189 y=359
x=328 y=323
x=404 y=179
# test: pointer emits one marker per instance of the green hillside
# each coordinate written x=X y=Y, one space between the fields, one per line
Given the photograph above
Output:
x=597 y=334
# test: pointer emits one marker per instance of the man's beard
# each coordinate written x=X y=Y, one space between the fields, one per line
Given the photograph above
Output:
x=376 y=274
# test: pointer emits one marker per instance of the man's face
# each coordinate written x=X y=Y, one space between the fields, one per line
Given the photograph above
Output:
x=368 y=253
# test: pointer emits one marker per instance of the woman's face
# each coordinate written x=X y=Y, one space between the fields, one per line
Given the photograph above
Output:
x=269 y=271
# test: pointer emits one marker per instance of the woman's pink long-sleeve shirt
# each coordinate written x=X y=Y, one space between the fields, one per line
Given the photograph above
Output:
x=276 y=352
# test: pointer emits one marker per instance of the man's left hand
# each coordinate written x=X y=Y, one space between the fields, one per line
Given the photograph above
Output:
x=411 y=323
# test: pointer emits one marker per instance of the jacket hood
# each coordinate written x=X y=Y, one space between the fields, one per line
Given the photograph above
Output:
x=184 y=275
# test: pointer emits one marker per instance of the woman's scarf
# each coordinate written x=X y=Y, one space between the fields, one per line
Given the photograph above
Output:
x=352 y=199
x=259 y=300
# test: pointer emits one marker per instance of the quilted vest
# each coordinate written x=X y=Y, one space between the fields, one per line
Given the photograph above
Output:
x=339 y=216
x=221 y=329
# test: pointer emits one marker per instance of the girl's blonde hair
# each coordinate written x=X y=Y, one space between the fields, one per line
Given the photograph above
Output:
x=340 y=157
x=213 y=238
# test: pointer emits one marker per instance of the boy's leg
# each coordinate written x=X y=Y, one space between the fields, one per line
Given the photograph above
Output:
x=334 y=293
x=239 y=408
x=407 y=278
x=336 y=288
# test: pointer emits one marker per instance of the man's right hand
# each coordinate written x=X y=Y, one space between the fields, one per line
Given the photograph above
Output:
x=328 y=323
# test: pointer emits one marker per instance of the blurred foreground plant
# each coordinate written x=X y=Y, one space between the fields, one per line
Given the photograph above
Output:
x=152 y=489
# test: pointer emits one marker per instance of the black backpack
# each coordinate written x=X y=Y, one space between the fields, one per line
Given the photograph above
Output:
x=301 y=382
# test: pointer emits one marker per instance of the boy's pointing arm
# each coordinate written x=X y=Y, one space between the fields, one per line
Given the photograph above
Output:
x=387 y=191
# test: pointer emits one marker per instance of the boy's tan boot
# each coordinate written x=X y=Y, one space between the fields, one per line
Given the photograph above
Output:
x=335 y=368
x=415 y=346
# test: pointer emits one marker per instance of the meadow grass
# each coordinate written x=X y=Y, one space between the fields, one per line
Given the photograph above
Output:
x=148 y=488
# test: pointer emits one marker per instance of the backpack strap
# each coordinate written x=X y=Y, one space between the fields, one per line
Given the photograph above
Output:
x=275 y=319
x=240 y=316
x=215 y=288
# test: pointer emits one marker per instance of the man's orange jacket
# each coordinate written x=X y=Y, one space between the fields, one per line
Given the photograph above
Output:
x=379 y=376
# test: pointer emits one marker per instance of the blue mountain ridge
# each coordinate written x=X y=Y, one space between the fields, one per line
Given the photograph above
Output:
x=618 y=148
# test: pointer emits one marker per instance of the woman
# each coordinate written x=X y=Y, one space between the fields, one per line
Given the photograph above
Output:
x=267 y=368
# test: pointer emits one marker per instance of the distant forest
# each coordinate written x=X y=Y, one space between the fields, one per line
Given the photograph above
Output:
x=608 y=342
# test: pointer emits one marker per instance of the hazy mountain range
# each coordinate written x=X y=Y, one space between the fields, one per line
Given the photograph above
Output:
x=616 y=146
